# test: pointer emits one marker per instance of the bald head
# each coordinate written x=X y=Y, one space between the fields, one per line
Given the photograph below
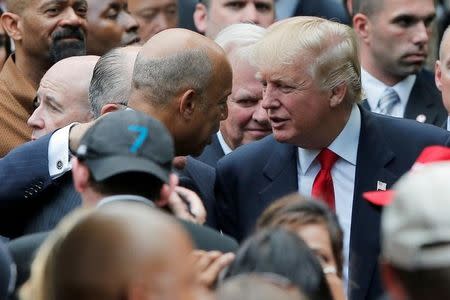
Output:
x=122 y=248
x=16 y=6
x=179 y=73
x=63 y=95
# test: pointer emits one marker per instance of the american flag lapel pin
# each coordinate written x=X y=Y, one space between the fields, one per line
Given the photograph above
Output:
x=381 y=186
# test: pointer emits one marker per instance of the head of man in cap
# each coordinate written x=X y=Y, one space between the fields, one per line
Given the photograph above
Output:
x=124 y=153
x=416 y=235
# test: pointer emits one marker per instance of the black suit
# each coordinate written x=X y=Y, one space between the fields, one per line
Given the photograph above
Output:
x=254 y=175
x=327 y=9
x=212 y=152
x=425 y=99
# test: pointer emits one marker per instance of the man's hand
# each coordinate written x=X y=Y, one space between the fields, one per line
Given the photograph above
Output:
x=208 y=265
x=187 y=205
x=76 y=133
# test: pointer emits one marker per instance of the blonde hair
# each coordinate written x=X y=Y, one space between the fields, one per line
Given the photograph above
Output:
x=327 y=49
x=40 y=284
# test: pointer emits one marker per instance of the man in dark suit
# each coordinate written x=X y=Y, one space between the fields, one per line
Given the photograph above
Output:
x=323 y=143
x=394 y=38
x=442 y=74
x=125 y=156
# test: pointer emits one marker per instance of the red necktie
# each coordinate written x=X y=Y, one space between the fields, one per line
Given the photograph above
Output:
x=323 y=183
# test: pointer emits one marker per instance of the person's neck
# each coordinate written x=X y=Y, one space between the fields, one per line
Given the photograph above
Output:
x=372 y=67
x=32 y=68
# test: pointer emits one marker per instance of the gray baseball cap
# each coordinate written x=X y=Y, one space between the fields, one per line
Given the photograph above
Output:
x=127 y=141
x=415 y=227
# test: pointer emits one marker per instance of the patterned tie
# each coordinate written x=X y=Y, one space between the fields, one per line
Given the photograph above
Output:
x=323 y=183
x=388 y=100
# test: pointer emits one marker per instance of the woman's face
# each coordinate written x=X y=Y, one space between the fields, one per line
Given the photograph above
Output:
x=317 y=238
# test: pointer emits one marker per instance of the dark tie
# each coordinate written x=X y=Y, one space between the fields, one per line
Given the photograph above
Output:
x=388 y=100
x=323 y=183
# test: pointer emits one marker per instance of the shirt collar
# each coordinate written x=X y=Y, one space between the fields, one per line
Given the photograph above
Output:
x=125 y=197
x=345 y=144
x=226 y=149
x=374 y=88
x=448 y=123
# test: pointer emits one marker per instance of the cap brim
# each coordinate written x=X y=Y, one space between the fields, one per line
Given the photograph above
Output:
x=381 y=198
x=104 y=168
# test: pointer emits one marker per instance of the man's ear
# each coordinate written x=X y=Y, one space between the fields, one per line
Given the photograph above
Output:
x=188 y=104
x=12 y=25
x=80 y=174
x=361 y=25
x=110 y=107
x=438 y=75
x=337 y=95
x=201 y=17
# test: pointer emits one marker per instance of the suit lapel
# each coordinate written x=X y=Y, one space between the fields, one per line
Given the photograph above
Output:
x=374 y=155
x=420 y=101
x=281 y=173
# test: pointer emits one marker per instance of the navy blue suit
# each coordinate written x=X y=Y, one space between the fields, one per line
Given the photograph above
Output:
x=212 y=152
x=30 y=201
x=254 y=175
x=26 y=188
x=425 y=99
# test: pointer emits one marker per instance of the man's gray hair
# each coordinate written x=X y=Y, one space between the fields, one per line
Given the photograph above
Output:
x=239 y=38
x=111 y=80
x=162 y=78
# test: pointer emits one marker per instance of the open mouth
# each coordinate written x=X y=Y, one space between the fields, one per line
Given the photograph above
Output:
x=133 y=41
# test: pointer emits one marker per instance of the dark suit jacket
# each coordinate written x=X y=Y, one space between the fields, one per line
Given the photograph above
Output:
x=26 y=181
x=23 y=249
x=327 y=9
x=26 y=187
x=212 y=152
x=425 y=99
x=254 y=175
x=200 y=177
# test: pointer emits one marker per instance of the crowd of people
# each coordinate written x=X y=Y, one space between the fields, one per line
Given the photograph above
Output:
x=224 y=149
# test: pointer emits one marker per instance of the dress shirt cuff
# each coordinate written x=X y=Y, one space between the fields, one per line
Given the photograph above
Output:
x=58 y=152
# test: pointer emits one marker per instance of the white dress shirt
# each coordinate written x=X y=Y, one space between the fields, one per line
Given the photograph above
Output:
x=374 y=88
x=448 y=123
x=343 y=174
x=58 y=152
x=226 y=149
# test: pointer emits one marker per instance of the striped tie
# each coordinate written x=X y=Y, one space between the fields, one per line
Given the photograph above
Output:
x=387 y=102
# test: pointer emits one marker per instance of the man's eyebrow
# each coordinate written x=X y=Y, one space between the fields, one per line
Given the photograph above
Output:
x=52 y=101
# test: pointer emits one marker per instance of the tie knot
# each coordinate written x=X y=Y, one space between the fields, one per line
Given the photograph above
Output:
x=327 y=158
x=388 y=100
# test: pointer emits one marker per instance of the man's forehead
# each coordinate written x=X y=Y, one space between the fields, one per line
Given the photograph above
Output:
x=415 y=8
x=40 y=3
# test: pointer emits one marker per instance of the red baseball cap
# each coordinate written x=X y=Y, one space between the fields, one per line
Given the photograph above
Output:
x=429 y=154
